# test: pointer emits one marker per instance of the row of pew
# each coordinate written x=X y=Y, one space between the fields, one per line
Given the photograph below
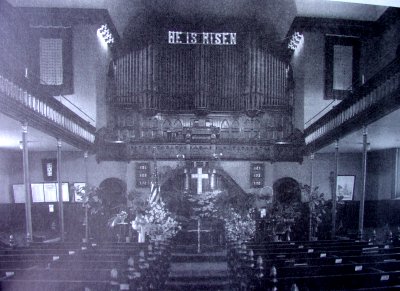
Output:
x=92 y=266
x=316 y=265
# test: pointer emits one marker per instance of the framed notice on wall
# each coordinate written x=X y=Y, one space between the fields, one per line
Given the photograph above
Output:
x=49 y=167
x=142 y=175
x=257 y=175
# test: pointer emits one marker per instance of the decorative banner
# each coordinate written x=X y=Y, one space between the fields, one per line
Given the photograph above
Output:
x=142 y=175
x=205 y=38
x=257 y=175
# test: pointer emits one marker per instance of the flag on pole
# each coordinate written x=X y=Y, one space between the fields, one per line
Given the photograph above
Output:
x=154 y=190
x=154 y=186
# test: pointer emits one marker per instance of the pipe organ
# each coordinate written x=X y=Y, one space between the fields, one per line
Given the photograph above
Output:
x=199 y=100
x=189 y=78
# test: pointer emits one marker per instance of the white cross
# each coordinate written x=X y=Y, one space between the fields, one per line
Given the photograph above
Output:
x=199 y=176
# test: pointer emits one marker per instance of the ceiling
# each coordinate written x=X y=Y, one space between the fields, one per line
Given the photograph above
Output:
x=383 y=133
x=124 y=11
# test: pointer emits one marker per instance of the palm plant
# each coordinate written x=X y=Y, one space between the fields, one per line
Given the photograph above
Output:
x=317 y=208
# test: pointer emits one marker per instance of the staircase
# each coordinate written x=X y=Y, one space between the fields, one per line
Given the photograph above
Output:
x=190 y=270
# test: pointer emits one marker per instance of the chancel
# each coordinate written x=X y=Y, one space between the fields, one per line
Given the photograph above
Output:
x=199 y=145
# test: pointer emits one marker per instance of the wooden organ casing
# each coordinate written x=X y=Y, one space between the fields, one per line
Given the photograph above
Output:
x=198 y=100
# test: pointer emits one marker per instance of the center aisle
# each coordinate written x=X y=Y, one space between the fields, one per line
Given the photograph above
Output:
x=190 y=270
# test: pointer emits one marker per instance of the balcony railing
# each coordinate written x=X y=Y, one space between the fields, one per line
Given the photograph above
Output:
x=66 y=123
x=377 y=97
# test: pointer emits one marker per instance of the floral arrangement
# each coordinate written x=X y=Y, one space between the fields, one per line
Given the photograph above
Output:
x=205 y=205
x=239 y=227
x=91 y=198
x=118 y=218
x=159 y=223
x=148 y=219
x=238 y=216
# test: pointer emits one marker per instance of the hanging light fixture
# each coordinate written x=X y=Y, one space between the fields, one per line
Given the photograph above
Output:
x=105 y=33
x=295 y=40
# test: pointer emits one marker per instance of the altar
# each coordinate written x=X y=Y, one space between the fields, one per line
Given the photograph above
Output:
x=202 y=234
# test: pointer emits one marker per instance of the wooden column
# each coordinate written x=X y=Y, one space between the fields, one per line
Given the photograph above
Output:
x=334 y=189
x=85 y=157
x=60 y=196
x=364 y=180
x=27 y=184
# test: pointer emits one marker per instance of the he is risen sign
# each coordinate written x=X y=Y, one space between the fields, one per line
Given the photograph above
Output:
x=205 y=38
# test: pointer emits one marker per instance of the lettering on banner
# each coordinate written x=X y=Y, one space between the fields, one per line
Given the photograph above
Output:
x=203 y=38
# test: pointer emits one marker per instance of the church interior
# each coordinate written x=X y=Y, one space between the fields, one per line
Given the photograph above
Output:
x=199 y=145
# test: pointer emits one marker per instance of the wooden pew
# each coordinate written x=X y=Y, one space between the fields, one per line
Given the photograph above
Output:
x=53 y=284
x=92 y=264
x=315 y=265
x=340 y=281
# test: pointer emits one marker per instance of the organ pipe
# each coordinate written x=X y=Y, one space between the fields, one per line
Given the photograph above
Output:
x=191 y=76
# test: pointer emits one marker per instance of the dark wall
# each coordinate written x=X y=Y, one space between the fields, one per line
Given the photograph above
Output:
x=377 y=52
x=378 y=213
x=382 y=174
x=12 y=218
x=15 y=39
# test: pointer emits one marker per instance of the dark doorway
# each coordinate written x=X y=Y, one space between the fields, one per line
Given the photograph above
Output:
x=113 y=192
x=287 y=191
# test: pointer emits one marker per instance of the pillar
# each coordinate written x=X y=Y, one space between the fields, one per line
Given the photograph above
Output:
x=60 y=196
x=334 y=188
x=27 y=184
x=364 y=180
x=85 y=158
x=310 y=228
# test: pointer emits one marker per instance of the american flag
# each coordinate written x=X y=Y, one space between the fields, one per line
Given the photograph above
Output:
x=154 y=189
x=154 y=186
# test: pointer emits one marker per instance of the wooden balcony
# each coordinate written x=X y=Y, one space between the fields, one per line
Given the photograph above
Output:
x=373 y=100
x=273 y=152
x=45 y=113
